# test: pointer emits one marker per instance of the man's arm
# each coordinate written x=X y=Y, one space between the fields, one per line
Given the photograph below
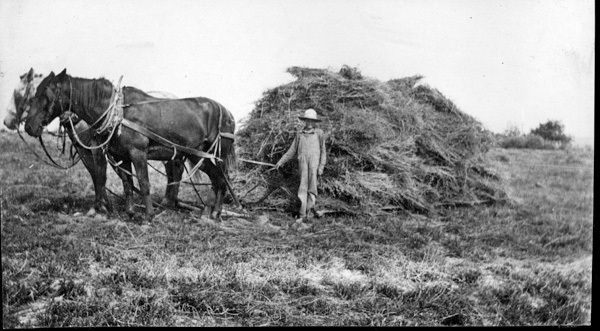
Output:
x=323 y=157
x=289 y=154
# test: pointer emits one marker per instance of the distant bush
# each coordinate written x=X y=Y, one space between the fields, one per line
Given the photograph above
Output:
x=530 y=141
x=552 y=131
x=512 y=131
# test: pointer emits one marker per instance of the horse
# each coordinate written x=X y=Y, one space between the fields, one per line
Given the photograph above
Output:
x=93 y=159
x=19 y=102
x=166 y=130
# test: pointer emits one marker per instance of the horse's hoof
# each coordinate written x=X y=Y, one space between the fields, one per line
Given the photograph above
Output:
x=168 y=203
x=130 y=212
x=136 y=219
x=102 y=209
x=139 y=218
x=91 y=212
x=215 y=217
x=100 y=217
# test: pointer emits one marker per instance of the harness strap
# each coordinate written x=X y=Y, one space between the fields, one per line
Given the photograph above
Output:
x=164 y=141
x=227 y=135
x=115 y=110
x=92 y=147
x=150 y=101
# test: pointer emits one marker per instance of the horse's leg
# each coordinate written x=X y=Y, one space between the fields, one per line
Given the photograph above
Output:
x=218 y=185
x=102 y=203
x=140 y=161
x=98 y=178
x=127 y=180
x=95 y=163
x=174 y=170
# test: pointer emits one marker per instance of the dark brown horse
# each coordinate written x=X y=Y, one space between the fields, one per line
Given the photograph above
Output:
x=191 y=124
x=93 y=159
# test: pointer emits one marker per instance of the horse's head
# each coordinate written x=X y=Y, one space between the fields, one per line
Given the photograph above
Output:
x=46 y=105
x=21 y=98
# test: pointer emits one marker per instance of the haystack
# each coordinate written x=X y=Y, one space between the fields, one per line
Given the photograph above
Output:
x=391 y=145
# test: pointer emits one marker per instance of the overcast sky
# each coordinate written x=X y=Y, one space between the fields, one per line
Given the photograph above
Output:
x=505 y=62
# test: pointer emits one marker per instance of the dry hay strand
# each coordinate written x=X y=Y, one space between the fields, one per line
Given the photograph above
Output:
x=396 y=143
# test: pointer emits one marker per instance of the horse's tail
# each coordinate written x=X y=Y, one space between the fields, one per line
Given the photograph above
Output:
x=227 y=140
x=228 y=154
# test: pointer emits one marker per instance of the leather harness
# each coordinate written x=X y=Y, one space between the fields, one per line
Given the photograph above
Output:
x=113 y=118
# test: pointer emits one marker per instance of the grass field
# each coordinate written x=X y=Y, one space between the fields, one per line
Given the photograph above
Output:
x=528 y=262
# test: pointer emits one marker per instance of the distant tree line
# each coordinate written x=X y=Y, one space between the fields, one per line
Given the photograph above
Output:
x=549 y=135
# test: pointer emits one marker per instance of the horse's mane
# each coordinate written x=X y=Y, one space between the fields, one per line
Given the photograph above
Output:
x=90 y=92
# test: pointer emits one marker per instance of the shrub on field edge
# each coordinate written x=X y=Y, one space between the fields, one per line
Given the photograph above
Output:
x=552 y=131
x=530 y=141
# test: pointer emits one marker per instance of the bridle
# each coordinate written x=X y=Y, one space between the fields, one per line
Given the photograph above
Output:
x=53 y=163
x=110 y=116
x=20 y=106
x=109 y=122
x=58 y=95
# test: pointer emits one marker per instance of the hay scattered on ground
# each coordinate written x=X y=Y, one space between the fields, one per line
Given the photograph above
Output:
x=394 y=144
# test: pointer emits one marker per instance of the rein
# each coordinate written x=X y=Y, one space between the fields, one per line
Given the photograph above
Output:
x=51 y=159
x=53 y=163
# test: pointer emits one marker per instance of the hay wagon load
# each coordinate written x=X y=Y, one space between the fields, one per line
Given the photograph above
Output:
x=391 y=145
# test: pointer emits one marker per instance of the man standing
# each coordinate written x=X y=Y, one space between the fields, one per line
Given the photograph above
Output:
x=309 y=148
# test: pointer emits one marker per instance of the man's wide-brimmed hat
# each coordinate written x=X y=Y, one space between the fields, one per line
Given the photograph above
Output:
x=310 y=115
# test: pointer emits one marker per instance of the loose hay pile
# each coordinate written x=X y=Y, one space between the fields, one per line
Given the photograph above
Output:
x=391 y=145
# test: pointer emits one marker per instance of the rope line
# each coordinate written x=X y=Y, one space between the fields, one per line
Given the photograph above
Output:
x=111 y=116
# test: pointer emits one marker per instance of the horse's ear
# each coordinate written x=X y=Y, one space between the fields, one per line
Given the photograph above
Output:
x=61 y=77
x=30 y=75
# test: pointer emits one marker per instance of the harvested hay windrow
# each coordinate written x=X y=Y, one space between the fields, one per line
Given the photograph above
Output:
x=390 y=144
